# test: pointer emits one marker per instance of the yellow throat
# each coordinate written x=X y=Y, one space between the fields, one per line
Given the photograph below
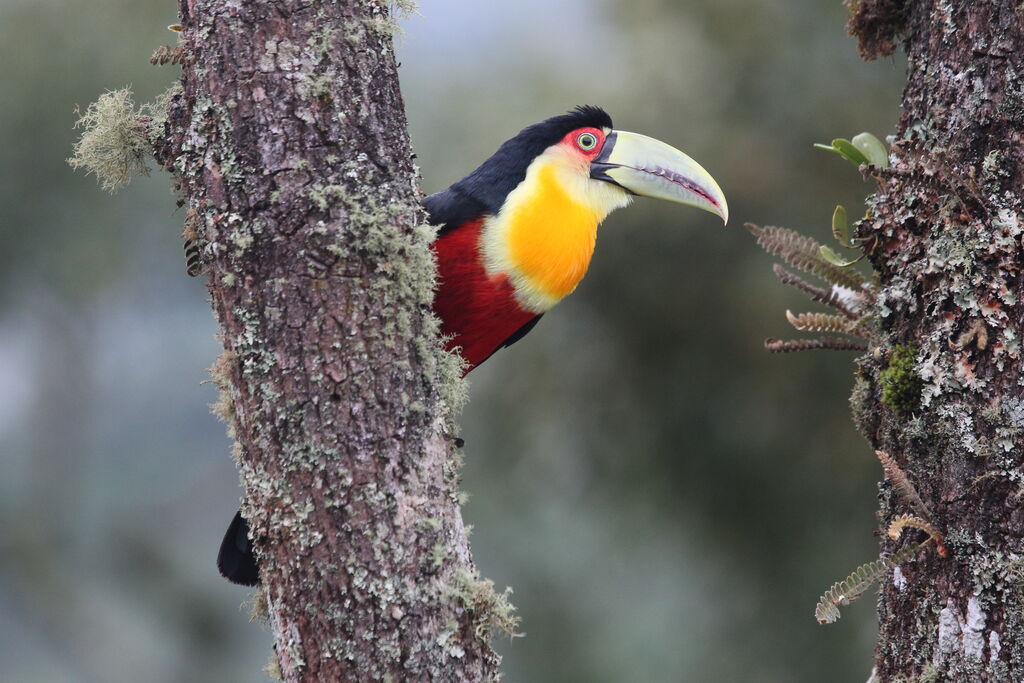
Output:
x=544 y=235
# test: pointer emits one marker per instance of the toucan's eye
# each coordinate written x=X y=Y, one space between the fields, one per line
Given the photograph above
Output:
x=586 y=141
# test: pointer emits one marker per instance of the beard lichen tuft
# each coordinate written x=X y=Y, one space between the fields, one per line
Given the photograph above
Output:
x=273 y=668
x=113 y=145
x=491 y=611
x=259 y=608
x=221 y=373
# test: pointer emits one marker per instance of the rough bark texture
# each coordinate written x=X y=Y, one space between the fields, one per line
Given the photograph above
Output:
x=288 y=143
x=945 y=236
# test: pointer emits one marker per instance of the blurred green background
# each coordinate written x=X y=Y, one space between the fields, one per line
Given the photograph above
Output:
x=667 y=500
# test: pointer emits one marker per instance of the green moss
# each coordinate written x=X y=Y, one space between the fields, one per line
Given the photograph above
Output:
x=901 y=385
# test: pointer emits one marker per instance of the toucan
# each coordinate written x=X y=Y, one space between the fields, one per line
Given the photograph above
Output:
x=516 y=236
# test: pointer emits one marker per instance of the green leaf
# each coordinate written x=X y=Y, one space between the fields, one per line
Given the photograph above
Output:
x=846 y=149
x=873 y=149
x=840 y=228
x=835 y=259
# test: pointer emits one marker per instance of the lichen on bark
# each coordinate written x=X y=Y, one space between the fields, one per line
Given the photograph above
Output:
x=945 y=232
x=289 y=145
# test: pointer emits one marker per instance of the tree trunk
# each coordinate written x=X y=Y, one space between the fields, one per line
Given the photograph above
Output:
x=945 y=235
x=288 y=143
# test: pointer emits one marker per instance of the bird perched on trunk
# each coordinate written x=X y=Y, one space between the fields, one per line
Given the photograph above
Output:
x=517 y=234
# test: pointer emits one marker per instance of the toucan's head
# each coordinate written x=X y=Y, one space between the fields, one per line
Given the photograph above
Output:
x=544 y=192
x=609 y=166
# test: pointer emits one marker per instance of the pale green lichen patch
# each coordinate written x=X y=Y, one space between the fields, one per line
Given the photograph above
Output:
x=405 y=261
x=322 y=40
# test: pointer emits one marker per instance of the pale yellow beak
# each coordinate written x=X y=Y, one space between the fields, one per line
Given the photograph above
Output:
x=650 y=168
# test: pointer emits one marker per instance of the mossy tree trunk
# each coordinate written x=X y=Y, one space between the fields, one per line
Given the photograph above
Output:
x=945 y=236
x=289 y=146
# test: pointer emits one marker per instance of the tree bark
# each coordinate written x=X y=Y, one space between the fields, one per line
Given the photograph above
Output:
x=944 y=233
x=288 y=143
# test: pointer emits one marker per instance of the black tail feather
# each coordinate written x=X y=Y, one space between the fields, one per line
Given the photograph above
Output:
x=236 y=560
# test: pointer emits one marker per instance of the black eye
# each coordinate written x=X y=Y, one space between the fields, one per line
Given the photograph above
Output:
x=586 y=141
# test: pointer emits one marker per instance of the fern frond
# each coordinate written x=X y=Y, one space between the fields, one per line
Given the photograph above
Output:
x=827 y=297
x=853 y=586
x=901 y=522
x=165 y=54
x=825 y=343
x=804 y=253
x=902 y=484
x=824 y=322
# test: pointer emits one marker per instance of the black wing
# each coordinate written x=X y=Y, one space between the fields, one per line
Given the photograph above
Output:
x=450 y=208
x=236 y=559
x=521 y=332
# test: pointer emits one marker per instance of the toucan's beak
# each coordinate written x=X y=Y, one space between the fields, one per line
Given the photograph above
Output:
x=650 y=168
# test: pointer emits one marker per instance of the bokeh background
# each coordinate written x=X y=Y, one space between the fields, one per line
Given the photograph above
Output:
x=667 y=500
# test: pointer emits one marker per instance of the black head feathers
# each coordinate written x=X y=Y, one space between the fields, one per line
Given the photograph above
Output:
x=495 y=178
x=583 y=116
